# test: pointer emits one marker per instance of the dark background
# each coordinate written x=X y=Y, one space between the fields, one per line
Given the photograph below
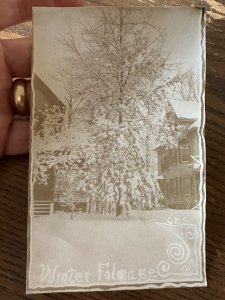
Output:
x=14 y=182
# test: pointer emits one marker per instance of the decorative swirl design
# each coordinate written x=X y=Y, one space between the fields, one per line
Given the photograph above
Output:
x=186 y=269
x=178 y=260
x=163 y=268
x=190 y=267
x=176 y=254
x=190 y=233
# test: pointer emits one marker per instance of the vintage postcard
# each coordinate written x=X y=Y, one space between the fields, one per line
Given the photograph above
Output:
x=117 y=168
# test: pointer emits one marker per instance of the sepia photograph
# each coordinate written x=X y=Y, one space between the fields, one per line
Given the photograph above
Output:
x=117 y=167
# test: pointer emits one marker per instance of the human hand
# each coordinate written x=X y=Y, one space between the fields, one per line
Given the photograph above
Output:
x=15 y=62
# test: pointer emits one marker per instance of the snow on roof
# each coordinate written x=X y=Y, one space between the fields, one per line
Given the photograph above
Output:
x=186 y=109
x=195 y=125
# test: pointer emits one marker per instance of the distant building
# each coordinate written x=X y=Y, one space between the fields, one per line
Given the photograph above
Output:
x=44 y=195
x=177 y=176
x=44 y=97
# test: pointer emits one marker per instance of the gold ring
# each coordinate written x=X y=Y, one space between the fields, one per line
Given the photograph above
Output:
x=19 y=102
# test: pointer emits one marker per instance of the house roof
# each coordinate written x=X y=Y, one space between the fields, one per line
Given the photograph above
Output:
x=159 y=148
x=186 y=109
x=47 y=95
x=195 y=125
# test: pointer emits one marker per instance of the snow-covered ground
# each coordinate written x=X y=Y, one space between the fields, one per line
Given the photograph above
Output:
x=93 y=250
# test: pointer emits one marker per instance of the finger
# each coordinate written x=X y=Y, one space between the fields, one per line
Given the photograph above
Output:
x=5 y=119
x=5 y=105
x=15 y=61
x=18 y=138
x=17 y=11
x=17 y=54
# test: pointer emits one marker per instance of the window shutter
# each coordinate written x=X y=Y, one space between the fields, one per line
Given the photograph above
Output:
x=169 y=184
x=179 y=154
x=176 y=154
x=168 y=159
x=180 y=186
x=171 y=156
x=166 y=162
x=190 y=153
x=177 y=186
x=192 y=185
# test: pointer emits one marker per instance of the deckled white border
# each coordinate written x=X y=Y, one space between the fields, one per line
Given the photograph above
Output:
x=30 y=191
x=134 y=286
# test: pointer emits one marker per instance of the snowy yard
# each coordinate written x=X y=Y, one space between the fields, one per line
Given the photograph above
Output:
x=103 y=247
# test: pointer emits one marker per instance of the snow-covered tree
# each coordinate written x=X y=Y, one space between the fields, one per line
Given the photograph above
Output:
x=76 y=89
x=186 y=86
x=122 y=63
x=48 y=121
x=115 y=83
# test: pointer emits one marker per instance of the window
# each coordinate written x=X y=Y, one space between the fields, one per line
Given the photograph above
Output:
x=161 y=164
x=174 y=156
x=168 y=189
x=184 y=153
x=172 y=188
x=186 y=186
x=168 y=161
x=165 y=163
